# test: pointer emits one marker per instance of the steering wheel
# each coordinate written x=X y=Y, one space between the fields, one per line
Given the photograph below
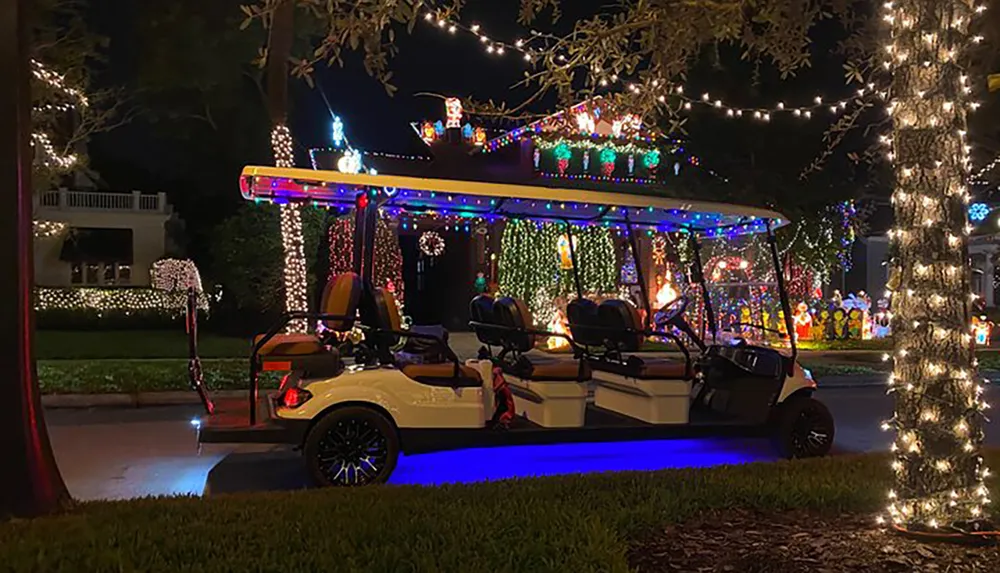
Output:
x=670 y=312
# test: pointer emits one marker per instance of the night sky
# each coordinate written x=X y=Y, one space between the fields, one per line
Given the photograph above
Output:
x=430 y=60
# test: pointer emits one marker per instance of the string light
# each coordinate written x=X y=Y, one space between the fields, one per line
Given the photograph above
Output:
x=58 y=82
x=291 y=235
x=49 y=157
x=531 y=270
x=939 y=474
x=665 y=89
x=49 y=229
x=126 y=301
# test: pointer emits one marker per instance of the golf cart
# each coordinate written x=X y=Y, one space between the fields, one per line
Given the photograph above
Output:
x=353 y=409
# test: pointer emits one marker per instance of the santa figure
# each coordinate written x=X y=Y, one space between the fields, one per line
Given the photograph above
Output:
x=803 y=322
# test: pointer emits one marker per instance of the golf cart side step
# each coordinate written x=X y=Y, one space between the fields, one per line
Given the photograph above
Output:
x=230 y=424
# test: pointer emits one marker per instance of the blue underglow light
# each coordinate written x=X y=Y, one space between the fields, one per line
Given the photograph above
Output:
x=488 y=464
x=978 y=212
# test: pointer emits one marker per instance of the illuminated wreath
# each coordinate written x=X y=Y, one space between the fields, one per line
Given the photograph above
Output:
x=431 y=244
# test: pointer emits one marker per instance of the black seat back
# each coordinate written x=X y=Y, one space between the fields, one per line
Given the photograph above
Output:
x=481 y=311
x=581 y=314
x=622 y=323
x=514 y=314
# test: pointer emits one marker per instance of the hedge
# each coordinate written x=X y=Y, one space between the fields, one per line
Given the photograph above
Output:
x=85 y=308
x=575 y=523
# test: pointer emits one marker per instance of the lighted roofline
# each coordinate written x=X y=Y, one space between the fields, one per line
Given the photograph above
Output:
x=325 y=178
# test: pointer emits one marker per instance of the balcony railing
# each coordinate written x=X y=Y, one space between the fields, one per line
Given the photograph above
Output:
x=65 y=200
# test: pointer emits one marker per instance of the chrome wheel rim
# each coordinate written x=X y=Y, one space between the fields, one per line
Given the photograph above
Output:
x=353 y=452
x=810 y=435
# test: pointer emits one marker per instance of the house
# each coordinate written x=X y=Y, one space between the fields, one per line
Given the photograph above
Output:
x=98 y=238
x=870 y=269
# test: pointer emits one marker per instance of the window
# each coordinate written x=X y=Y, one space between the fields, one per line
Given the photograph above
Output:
x=98 y=256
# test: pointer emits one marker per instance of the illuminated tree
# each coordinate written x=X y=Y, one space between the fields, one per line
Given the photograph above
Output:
x=939 y=470
x=388 y=256
x=938 y=421
x=66 y=112
x=365 y=25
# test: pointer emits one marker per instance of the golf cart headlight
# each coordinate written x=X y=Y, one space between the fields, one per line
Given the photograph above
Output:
x=806 y=373
x=294 y=397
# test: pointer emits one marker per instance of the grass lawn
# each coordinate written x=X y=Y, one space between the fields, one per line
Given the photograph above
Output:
x=576 y=523
x=132 y=376
x=64 y=344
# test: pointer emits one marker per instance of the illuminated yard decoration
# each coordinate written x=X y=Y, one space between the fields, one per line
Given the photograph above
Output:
x=530 y=267
x=978 y=212
x=563 y=154
x=453 y=108
x=939 y=470
x=174 y=275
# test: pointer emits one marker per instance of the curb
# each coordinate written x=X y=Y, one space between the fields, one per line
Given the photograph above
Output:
x=139 y=400
x=836 y=382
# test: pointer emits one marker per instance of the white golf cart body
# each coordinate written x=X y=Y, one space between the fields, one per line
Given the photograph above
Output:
x=433 y=416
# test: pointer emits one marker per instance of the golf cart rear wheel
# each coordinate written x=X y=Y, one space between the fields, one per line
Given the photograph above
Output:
x=352 y=446
x=804 y=428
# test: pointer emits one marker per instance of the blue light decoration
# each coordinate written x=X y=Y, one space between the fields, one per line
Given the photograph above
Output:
x=490 y=464
x=978 y=212
x=338 y=131
x=439 y=128
x=467 y=131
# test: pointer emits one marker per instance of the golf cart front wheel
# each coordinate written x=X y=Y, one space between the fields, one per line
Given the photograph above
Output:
x=352 y=446
x=804 y=428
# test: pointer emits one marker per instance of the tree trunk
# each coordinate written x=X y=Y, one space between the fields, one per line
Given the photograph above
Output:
x=938 y=467
x=278 y=52
x=30 y=483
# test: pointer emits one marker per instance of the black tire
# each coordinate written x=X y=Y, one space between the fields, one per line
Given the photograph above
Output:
x=351 y=446
x=804 y=428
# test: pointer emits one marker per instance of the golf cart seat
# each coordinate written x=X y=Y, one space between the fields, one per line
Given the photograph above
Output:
x=548 y=391
x=449 y=374
x=308 y=353
x=654 y=390
x=481 y=314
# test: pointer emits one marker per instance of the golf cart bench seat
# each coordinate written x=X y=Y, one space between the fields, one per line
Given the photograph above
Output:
x=544 y=369
x=654 y=390
x=289 y=345
x=308 y=353
x=550 y=392
x=644 y=368
x=447 y=374
x=443 y=374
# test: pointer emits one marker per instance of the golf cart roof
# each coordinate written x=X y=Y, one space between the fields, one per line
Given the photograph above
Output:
x=503 y=200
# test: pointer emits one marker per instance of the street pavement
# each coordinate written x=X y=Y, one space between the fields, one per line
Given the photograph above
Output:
x=119 y=453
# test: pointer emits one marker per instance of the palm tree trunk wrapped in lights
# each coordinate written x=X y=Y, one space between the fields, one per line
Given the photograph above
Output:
x=939 y=402
x=279 y=49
